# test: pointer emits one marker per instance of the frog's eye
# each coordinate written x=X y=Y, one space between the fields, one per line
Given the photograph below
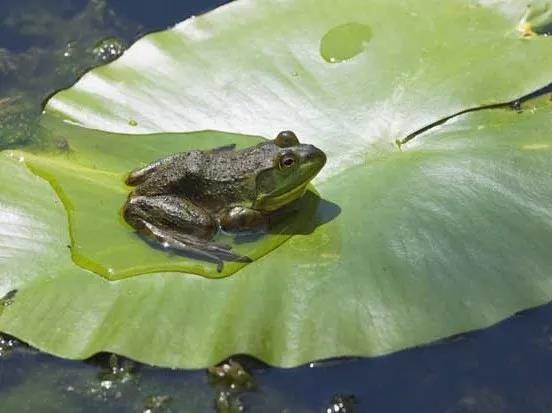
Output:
x=286 y=139
x=287 y=161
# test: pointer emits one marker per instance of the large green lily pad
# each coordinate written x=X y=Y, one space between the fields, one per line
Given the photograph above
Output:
x=446 y=235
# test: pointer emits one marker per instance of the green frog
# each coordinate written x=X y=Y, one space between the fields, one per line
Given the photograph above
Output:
x=182 y=201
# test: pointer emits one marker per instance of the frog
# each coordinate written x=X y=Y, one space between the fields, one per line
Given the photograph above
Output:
x=184 y=200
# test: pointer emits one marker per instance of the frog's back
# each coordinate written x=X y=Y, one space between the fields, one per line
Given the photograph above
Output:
x=210 y=178
x=164 y=176
x=226 y=178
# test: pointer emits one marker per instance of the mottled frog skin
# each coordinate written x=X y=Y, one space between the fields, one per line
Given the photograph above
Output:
x=185 y=199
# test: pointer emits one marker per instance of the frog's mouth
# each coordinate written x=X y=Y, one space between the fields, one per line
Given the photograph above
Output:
x=271 y=203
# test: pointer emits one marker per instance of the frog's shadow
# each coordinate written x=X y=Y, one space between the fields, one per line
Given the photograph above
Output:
x=300 y=218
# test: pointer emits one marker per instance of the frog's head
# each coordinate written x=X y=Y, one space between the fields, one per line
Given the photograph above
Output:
x=294 y=166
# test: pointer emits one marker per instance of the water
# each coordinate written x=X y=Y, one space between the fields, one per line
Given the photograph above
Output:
x=500 y=369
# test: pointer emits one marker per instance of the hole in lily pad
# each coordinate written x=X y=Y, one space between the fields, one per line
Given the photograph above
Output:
x=89 y=180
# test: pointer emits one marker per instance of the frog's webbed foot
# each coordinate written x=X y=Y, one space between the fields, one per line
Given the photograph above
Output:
x=221 y=251
x=208 y=250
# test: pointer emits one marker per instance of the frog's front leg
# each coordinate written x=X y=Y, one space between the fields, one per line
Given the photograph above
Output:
x=179 y=224
x=242 y=219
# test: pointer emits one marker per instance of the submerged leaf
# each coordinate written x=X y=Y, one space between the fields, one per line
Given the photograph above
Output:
x=88 y=176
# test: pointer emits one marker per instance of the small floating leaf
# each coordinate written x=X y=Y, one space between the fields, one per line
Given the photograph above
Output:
x=90 y=182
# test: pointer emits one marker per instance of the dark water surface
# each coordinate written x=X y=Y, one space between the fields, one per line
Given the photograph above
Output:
x=47 y=44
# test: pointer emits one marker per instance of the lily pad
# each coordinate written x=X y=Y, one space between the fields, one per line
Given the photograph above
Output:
x=446 y=235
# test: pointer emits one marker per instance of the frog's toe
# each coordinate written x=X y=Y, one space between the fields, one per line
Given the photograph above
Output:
x=232 y=257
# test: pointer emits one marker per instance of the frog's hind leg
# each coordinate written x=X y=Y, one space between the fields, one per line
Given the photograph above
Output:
x=169 y=240
x=179 y=224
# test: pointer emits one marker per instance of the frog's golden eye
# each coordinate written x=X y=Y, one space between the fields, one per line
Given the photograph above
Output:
x=286 y=139
x=287 y=161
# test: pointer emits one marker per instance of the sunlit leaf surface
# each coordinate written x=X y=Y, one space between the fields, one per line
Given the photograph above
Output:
x=447 y=235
